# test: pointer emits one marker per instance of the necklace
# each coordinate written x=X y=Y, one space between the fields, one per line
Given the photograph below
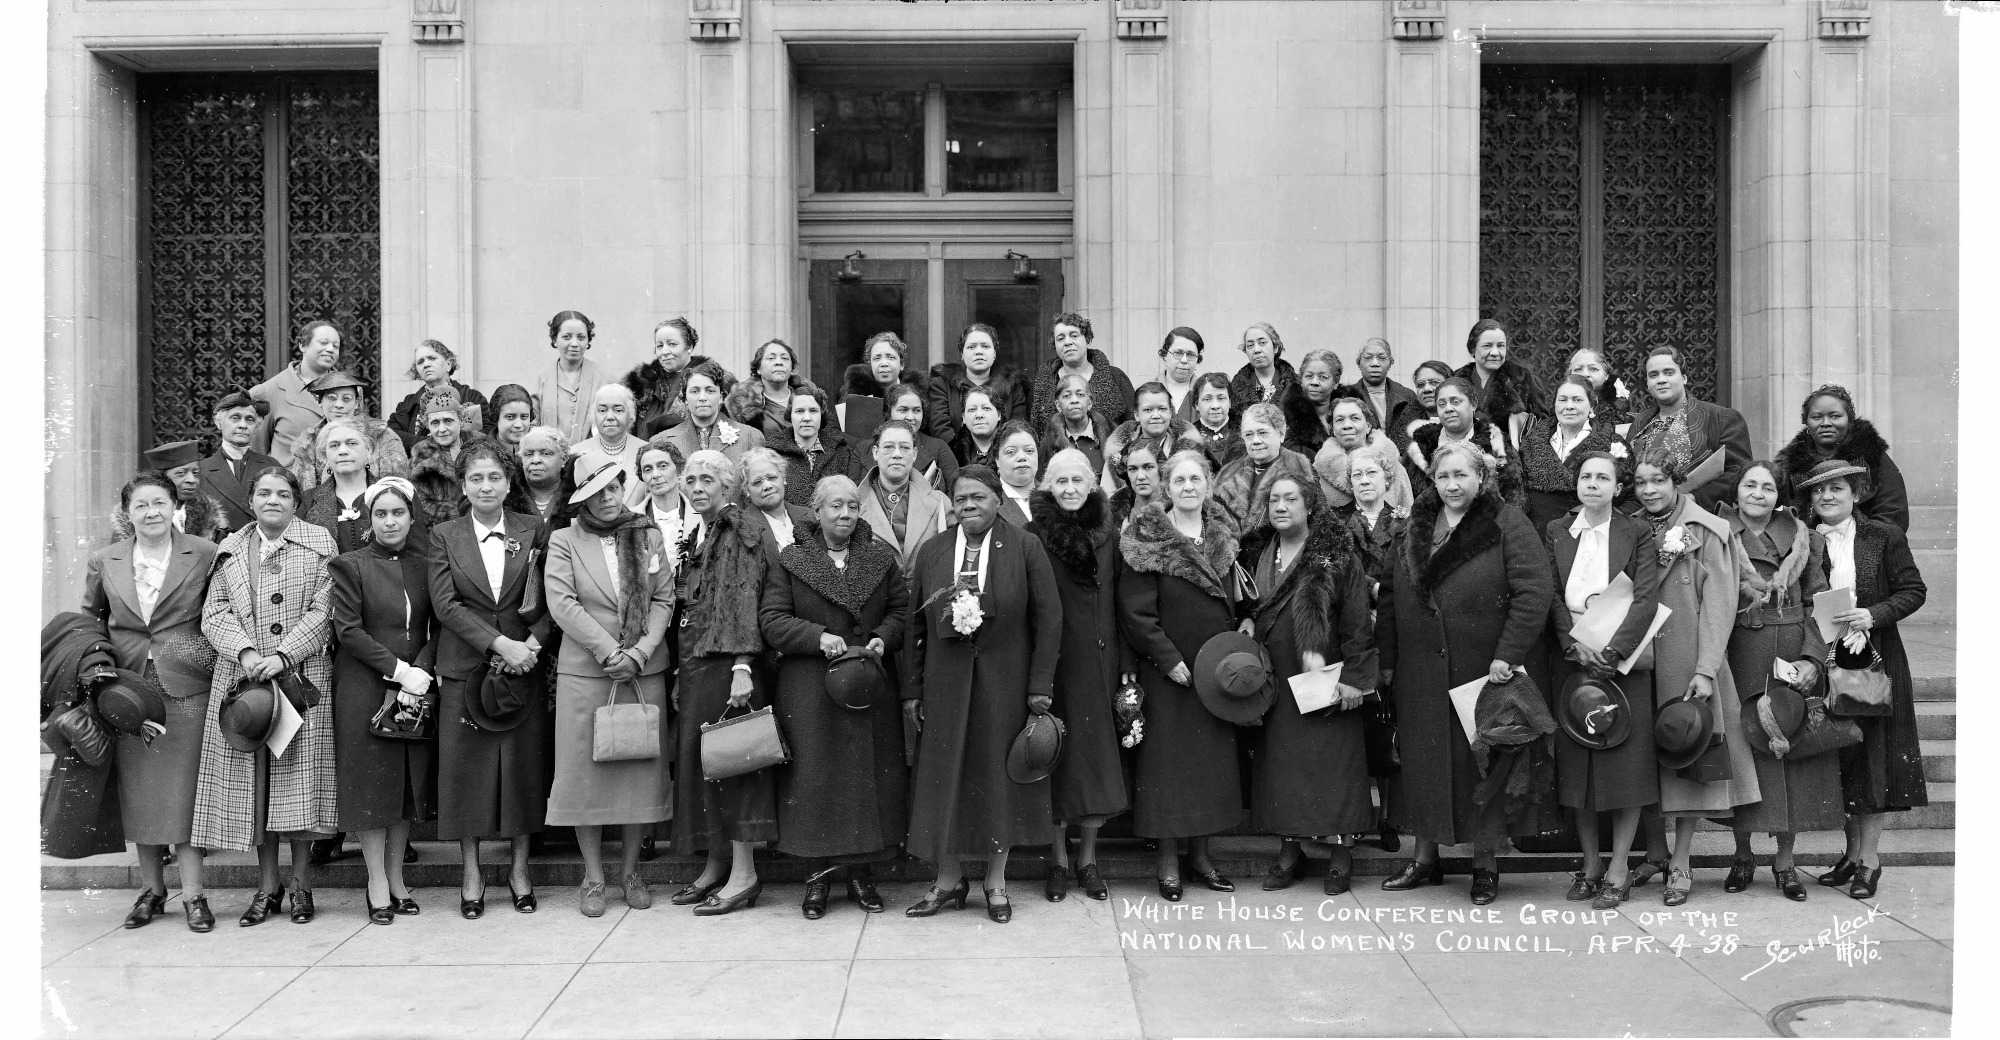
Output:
x=1284 y=557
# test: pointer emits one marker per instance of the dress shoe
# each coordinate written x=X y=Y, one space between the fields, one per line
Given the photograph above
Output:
x=302 y=905
x=524 y=902
x=1680 y=885
x=1414 y=874
x=1057 y=887
x=1647 y=870
x=693 y=893
x=472 y=909
x=1485 y=886
x=409 y=853
x=1337 y=882
x=384 y=914
x=1741 y=871
x=1092 y=882
x=1610 y=895
x=407 y=906
x=1865 y=880
x=813 y=907
x=862 y=891
x=638 y=895
x=200 y=919
x=935 y=900
x=716 y=906
x=262 y=906
x=1582 y=888
x=1387 y=839
x=1002 y=911
x=1282 y=875
x=1214 y=880
x=325 y=850
x=1839 y=874
x=149 y=905
x=590 y=898
x=1170 y=888
x=649 y=849
x=1788 y=883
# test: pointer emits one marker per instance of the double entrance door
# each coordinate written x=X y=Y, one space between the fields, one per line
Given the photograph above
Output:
x=928 y=302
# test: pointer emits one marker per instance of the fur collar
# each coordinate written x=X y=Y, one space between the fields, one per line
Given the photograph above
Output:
x=1244 y=389
x=1152 y=545
x=1304 y=431
x=860 y=382
x=869 y=560
x=1329 y=544
x=745 y=402
x=1797 y=549
x=1863 y=446
x=1477 y=532
x=428 y=462
x=1071 y=537
x=651 y=383
x=1512 y=389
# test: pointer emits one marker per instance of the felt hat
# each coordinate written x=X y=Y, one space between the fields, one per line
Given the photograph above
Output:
x=241 y=399
x=1232 y=676
x=1682 y=731
x=247 y=715
x=332 y=381
x=172 y=455
x=1594 y=713
x=129 y=701
x=442 y=399
x=1831 y=469
x=495 y=701
x=1784 y=719
x=1033 y=756
x=594 y=473
x=855 y=680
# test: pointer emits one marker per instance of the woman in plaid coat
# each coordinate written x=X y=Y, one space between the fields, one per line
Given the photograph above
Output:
x=267 y=611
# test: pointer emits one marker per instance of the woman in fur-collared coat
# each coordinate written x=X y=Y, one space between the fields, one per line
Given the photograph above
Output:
x=1177 y=591
x=1309 y=774
x=1833 y=431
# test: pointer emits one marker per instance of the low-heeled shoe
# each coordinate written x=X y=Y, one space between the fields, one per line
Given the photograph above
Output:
x=149 y=905
x=1485 y=886
x=1414 y=874
x=862 y=891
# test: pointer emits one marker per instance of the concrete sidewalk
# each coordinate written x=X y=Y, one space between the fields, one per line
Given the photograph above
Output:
x=1293 y=963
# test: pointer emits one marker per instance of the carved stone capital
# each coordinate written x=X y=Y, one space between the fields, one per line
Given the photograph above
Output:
x=1416 y=19
x=715 y=21
x=438 y=21
x=1843 y=19
x=1142 y=19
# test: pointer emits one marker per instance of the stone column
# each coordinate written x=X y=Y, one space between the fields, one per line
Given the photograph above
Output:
x=429 y=249
x=1431 y=191
x=1142 y=199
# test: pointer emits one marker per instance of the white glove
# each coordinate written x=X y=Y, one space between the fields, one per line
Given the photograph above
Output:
x=412 y=679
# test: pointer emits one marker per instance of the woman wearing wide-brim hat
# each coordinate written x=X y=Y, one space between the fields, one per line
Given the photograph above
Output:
x=1780 y=567
x=839 y=603
x=1178 y=591
x=148 y=591
x=1591 y=547
x=1885 y=772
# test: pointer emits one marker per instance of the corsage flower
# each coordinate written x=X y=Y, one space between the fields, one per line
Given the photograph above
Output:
x=513 y=546
x=1675 y=544
x=965 y=613
x=1618 y=451
x=725 y=434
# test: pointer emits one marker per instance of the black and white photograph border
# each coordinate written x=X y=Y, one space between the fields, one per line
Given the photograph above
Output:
x=1345 y=170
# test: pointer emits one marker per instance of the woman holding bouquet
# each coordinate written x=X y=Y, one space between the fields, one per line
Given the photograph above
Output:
x=980 y=655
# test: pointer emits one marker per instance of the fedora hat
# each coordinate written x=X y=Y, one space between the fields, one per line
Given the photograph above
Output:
x=495 y=701
x=129 y=701
x=1831 y=469
x=1232 y=676
x=855 y=680
x=1036 y=749
x=1594 y=712
x=1682 y=730
x=1786 y=717
x=332 y=381
x=247 y=715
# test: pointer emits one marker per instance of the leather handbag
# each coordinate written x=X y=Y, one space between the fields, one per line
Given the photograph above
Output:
x=741 y=745
x=625 y=732
x=79 y=728
x=395 y=720
x=1822 y=732
x=1856 y=687
x=1378 y=740
x=298 y=689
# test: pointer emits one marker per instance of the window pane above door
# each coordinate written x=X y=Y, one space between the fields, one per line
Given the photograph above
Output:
x=1000 y=140
x=868 y=140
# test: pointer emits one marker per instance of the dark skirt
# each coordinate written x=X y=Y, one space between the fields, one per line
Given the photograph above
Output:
x=845 y=794
x=1794 y=794
x=490 y=785
x=1089 y=779
x=381 y=782
x=1885 y=772
x=1309 y=774
x=1624 y=777
x=156 y=781
x=707 y=816
x=1187 y=782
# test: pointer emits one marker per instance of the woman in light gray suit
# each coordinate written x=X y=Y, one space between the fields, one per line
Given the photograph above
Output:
x=898 y=505
x=610 y=588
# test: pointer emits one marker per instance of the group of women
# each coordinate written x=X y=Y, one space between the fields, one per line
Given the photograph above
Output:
x=1002 y=547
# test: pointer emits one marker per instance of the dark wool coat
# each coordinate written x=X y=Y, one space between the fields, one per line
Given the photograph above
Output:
x=662 y=395
x=1222 y=446
x=1885 y=772
x=1888 y=500
x=1408 y=417
x=944 y=397
x=1444 y=618
x=975 y=694
x=1110 y=391
x=408 y=423
x=382 y=782
x=322 y=506
x=1395 y=396
x=859 y=380
x=1309 y=774
x=207 y=519
x=1305 y=431
x=219 y=485
x=802 y=473
x=1083 y=553
x=1057 y=438
x=968 y=454
x=1515 y=388
x=1626 y=776
x=1551 y=481
x=846 y=791
x=1379 y=544
x=1710 y=426
x=1245 y=391
x=1173 y=596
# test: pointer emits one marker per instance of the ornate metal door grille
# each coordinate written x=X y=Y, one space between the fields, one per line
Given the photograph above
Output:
x=1602 y=212
x=262 y=212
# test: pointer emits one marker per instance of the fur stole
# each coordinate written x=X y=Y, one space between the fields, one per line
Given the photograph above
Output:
x=1070 y=537
x=723 y=582
x=656 y=389
x=206 y=519
x=1477 y=532
x=1152 y=545
x=745 y=403
x=636 y=544
x=1754 y=591
x=1487 y=436
x=858 y=381
x=1312 y=592
x=1862 y=446
x=1244 y=390
x=1512 y=389
x=1329 y=544
x=869 y=560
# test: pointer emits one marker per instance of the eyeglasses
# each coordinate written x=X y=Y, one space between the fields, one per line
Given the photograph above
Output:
x=1183 y=355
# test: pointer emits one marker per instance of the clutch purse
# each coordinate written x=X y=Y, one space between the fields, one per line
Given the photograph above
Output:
x=298 y=689
x=626 y=732
x=395 y=720
x=740 y=745
x=1822 y=733
x=1856 y=687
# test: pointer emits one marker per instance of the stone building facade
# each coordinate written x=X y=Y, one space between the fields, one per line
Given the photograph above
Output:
x=1772 y=184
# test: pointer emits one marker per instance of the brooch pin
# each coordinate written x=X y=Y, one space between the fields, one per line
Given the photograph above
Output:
x=513 y=546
